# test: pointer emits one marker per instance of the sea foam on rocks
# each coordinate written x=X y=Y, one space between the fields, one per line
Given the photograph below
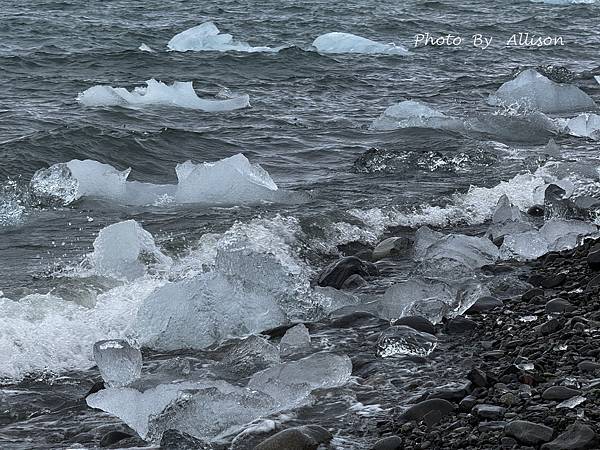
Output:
x=207 y=37
x=180 y=94
x=349 y=43
x=534 y=91
x=231 y=180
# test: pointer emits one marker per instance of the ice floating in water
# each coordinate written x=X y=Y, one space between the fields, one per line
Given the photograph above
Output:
x=566 y=2
x=295 y=339
x=227 y=181
x=207 y=37
x=350 y=43
x=250 y=356
x=119 y=363
x=584 y=125
x=597 y=78
x=412 y=114
x=180 y=94
x=405 y=341
x=532 y=90
x=145 y=48
x=125 y=250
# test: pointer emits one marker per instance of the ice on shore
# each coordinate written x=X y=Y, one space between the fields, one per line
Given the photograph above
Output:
x=413 y=114
x=337 y=43
x=207 y=37
x=250 y=356
x=125 y=250
x=405 y=341
x=563 y=234
x=532 y=90
x=524 y=246
x=584 y=125
x=227 y=181
x=295 y=339
x=179 y=94
x=119 y=363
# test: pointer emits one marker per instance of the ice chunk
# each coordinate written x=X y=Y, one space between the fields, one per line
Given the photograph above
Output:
x=498 y=230
x=295 y=339
x=145 y=48
x=64 y=183
x=119 y=363
x=207 y=37
x=318 y=371
x=350 y=43
x=564 y=234
x=125 y=250
x=506 y=211
x=585 y=125
x=597 y=78
x=405 y=341
x=228 y=180
x=180 y=94
x=249 y=356
x=532 y=90
x=524 y=246
x=565 y=2
x=412 y=114
x=203 y=310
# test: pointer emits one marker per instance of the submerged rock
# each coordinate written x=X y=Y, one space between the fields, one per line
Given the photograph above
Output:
x=250 y=356
x=335 y=274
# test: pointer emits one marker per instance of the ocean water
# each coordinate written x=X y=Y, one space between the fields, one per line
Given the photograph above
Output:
x=309 y=125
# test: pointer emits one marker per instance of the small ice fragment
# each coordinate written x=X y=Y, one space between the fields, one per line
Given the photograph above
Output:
x=295 y=339
x=528 y=318
x=145 y=48
x=250 y=355
x=349 y=43
x=572 y=402
x=402 y=340
x=584 y=125
x=525 y=366
x=597 y=78
x=119 y=363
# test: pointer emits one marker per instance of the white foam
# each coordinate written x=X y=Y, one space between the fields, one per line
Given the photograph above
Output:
x=179 y=94
x=207 y=37
x=349 y=43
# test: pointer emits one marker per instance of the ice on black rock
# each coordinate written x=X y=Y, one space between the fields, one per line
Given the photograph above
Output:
x=403 y=340
x=295 y=339
x=119 y=363
x=250 y=356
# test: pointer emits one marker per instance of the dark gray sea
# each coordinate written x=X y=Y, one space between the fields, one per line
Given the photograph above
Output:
x=347 y=184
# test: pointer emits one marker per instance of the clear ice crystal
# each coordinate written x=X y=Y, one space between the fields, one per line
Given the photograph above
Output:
x=402 y=340
x=524 y=246
x=295 y=339
x=119 y=363
x=250 y=356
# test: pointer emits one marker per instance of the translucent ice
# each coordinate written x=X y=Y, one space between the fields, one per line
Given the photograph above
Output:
x=350 y=43
x=125 y=250
x=532 y=90
x=318 y=371
x=119 y=363
x=565 y=234
x=585 y=125
x=180 y=94
x=412 y=114
x=524 y=246
x=228 y=180
x=505 y=211
x=405 y=341
x=295 y=339
x=207 y=37
x=66 y=182
x=249 y=356
x=205 y=309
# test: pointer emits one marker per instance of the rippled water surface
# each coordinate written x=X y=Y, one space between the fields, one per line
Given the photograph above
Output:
x=309 y=127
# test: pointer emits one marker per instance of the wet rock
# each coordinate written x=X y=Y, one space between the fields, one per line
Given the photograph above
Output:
x=460 y=325
x=588 y=366
x=420 y=410
x=478 y=377
x=337 y=273
x=491 y=412
x=391 y=247
x=485 y=304
x=467 y=403
x=593 y=259
x=549 y=327
x=559 y=393
x=492 y=425
x=451 y=394
x=552 y=281
x=389 y=443
x=416 y=322
x=307 y=437
x=559 y=305
x=530 y=294
x=536 y=211
x=577 y=436
x=529 y=433
x=593 y=283
x=354 y=282
x=97 y=386
x=358 y=319
x=112 y=437
x=178 y=440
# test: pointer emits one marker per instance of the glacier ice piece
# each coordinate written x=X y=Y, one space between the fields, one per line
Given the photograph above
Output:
x=204 y=310
x=402 y=340
x=295 y=339
x=207 y=37
x=228 y=180
x=145 y=48
x=534 y=91
x=349 y=43
x=125 y=250
x=505 y=211
x=413 y=114
x=250 y=356
x=292 y=379
x=585 y=125
x=119 y=363
x=180 y=94
x=563 y=234
x=524 y=246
